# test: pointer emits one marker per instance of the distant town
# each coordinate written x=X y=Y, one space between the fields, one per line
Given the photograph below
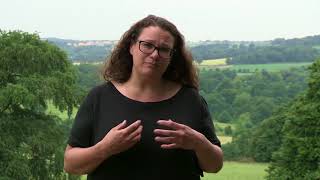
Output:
x=92 y=43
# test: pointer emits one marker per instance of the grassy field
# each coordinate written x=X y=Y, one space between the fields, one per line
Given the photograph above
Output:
x=239 y=171
x=220 y=127
x=235 y=171
x=225 y=139
x=212 y=64
x=221 y=63
x=269 y=67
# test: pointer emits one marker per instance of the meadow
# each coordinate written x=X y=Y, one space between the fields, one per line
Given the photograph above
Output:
x=212 y=64
x=274 y=67
x=235 y=171
x=239 y=171
x=225 y=139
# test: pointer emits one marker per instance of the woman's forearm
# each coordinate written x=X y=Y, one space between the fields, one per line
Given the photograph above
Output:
x=83 y=160
x=120 y=138
x=210 y=156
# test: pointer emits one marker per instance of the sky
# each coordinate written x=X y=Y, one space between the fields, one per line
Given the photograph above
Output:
x=197 y=20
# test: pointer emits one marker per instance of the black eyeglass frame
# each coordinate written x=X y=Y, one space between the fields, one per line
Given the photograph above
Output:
x=156 y=48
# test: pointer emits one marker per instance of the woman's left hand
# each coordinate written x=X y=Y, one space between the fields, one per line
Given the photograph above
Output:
x=180 y=136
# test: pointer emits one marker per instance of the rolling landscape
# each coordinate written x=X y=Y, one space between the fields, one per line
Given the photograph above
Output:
x=258 y=70
x=254 y=92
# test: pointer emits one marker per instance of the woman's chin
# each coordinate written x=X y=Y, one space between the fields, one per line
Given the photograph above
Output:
x=150 y=72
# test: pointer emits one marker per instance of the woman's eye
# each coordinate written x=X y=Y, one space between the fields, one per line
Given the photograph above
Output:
x=166 y=50
x=148 y=45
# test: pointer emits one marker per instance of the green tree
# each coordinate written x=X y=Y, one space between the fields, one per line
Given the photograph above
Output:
x=262 y=108
x=299 y=153
x=225 y=117
x=228 y=130
x=242 y=103
x=88 y=76
x=266 y=138
x=32 y=73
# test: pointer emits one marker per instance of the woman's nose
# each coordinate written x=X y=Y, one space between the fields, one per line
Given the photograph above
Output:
x=155 y=53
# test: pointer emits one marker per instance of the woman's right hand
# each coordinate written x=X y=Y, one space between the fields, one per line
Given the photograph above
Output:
x=121 y=138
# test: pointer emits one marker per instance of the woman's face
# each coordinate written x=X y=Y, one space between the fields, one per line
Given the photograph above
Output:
x=151 y=52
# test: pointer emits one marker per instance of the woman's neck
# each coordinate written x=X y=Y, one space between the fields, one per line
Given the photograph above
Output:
x=147 y=84
x=147 y=90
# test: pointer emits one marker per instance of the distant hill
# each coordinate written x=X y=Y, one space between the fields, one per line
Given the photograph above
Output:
x=84 y=50
x=237 y=52
x=260 y=52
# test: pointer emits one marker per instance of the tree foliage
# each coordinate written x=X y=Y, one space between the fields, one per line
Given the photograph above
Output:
x=89 y=75
x=276 y=54
x=267 y=137
x=299 y=154
x=229 y=95
x=32 y=74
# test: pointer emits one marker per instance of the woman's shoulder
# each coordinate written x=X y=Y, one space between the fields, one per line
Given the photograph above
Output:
x=189 y=94
x=100 y=89
x=194 y=92
x=190 y=90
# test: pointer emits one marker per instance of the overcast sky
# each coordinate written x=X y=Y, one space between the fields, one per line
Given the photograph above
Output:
x=196 y=19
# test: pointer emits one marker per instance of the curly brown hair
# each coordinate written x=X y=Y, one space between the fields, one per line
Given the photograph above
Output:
x=118 y=66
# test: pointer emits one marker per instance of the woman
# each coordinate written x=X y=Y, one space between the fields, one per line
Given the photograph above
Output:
x=148 y=120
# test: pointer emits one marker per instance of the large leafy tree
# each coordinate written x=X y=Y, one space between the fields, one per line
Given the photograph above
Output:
x=299 y=154
x=33 y=73
x=266 y=138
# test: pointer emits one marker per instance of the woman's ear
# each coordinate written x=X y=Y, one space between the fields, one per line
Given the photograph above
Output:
x=131 y=47
x=131 y=50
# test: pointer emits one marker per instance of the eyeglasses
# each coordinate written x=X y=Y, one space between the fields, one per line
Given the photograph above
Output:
x=148 y=48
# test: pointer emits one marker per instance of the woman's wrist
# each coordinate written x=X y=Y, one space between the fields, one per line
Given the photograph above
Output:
x=102 y=150
x=201 y=143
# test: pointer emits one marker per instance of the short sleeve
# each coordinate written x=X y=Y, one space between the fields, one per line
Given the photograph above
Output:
x=206 y=124
x=81 y=131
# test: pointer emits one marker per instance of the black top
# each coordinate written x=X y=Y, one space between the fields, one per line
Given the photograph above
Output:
x=105 y=107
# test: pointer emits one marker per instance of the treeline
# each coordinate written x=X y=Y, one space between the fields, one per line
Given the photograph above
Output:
x=276 y=51
x=274 y=54
x=215 y=51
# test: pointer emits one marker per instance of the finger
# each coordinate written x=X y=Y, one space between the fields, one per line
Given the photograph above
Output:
x=135 y=133
x=132 y=143
x=136 y=138
x=121 y=125
x=169 y=146
x=132 y=127
x=163 y=132
x=166 y=140
x=171 y=124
